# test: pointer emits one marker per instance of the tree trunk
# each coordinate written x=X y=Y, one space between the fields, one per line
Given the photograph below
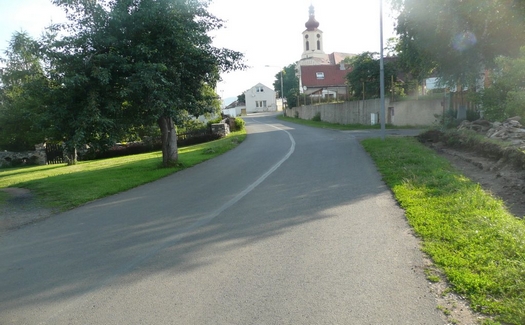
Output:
x=71 y=156
x=169 y=141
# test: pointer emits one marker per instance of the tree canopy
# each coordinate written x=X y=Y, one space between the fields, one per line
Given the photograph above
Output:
x=23 y=93
x=121 y=64
x=290 y=84
x=363 y=80
x=458 y=38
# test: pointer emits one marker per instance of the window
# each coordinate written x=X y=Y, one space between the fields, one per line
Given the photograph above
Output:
x=259 y=89
x=318 y=45
x=307 y=45
x=319 y=75
x=260 y=103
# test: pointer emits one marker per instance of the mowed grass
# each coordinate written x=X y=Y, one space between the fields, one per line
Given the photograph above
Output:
x=468 y=233
x=64 y=187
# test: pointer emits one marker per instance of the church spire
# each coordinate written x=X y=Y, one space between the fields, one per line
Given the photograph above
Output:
x=311 y=24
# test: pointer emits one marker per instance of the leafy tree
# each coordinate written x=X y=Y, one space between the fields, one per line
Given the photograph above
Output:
x=506 y=96
x=363 y=80
x=415 y=62
x=290 y=84
x=459 y=38
x=127 y=63
x=241 y=98
x=23 y=91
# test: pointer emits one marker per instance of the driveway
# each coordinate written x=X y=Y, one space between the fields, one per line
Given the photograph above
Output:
x=294 y=226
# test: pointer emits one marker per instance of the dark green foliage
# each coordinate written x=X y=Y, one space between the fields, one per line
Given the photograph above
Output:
x=317 y=117
x=290 y=82
x=241 y=98
x=458 y=38
x=127 y=64
x=215 y=120
x=365 y=75
x=23 y=96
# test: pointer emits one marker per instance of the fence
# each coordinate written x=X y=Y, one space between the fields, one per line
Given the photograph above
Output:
x=54 y=153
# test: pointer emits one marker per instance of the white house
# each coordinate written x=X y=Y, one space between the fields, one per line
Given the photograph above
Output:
x=260 y=98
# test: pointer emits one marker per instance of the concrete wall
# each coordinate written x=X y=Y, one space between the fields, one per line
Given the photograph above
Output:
x=403 y=113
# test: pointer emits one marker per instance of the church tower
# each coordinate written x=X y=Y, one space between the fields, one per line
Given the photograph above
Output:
x=312 y=38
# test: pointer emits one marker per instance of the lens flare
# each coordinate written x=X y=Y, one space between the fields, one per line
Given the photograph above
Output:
x=464 y=41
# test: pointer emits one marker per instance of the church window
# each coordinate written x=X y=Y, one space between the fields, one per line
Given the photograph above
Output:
x=318 y=45
x=318 y=35
x=307 y=46
x=306 y=36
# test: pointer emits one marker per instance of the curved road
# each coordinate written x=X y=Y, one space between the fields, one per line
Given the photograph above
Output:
x=294 y=226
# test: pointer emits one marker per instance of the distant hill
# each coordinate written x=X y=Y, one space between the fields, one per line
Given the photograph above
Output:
x=228 y=101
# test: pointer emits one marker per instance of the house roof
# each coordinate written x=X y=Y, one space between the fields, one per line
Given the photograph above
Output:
x=337 y=57
x=333 y=76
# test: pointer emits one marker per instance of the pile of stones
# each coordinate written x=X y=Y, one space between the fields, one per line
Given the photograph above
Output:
x=510 y=131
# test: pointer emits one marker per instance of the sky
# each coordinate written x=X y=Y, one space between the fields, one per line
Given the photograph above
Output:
x=267 y=32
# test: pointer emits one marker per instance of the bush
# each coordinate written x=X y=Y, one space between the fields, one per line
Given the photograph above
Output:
x=239 y=124
x=215 y=120
x=317 y=117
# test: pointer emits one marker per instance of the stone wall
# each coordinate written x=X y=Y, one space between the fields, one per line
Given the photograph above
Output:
x=36 y=157
x=222 y=129
x=402 y=113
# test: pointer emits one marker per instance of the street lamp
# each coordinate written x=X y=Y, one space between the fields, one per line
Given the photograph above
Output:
x=281 y=94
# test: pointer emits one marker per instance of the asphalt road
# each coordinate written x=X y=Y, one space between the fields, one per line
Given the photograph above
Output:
x=294 y=226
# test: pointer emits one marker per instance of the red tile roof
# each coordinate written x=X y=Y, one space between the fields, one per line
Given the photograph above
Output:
x=333 y=76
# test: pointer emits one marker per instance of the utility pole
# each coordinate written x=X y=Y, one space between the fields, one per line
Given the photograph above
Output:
x=382 y=71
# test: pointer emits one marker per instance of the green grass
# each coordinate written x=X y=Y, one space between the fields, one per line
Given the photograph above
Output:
x=468 y=233
x=327 y=125
x=65 y=187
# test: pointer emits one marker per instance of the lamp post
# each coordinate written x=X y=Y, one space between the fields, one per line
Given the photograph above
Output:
x=381 y=71
x=281 y=94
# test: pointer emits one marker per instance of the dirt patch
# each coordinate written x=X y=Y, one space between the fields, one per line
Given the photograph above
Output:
x=21 y=208
x=498 y=170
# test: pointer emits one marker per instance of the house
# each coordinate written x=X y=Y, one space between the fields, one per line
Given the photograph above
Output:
x=260 y=98
x=236 y=108
x=325 y=80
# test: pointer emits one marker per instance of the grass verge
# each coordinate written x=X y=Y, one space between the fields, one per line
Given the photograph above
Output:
x=468 y=233
x=64 y=187
x=327 y=125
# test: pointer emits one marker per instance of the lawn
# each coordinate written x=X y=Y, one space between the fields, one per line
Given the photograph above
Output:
x=468 y=233
x=65 y=187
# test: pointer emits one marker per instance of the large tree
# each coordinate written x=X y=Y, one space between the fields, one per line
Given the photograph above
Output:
x=290 y=84
x=129 y=63
x=363 y=79
x=23 y=92
x=459 y=38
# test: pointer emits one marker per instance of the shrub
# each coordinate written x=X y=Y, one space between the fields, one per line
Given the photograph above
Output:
x=239 y=124
x=317 y=117
x=215 y=120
